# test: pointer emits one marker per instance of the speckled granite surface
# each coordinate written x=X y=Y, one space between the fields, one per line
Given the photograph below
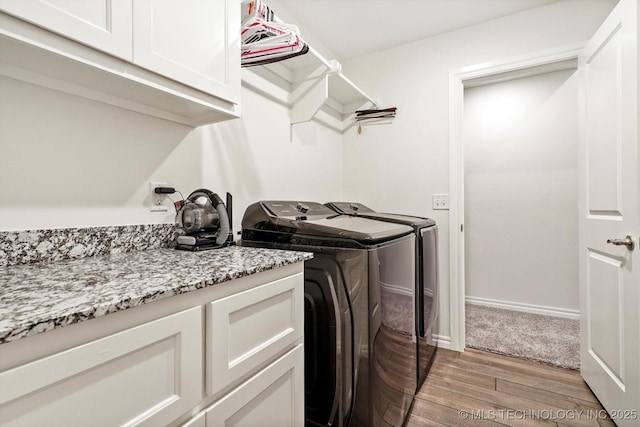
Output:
x=30 y=246
x=39 y=297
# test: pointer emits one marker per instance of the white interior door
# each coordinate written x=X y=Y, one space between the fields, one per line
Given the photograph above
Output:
x=609 y=210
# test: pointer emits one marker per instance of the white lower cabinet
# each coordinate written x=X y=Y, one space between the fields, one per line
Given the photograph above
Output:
x=247 y=330
x=197 y=421
x=230 y=354
x=148 y=375
x=271 y=398
x=254 y=360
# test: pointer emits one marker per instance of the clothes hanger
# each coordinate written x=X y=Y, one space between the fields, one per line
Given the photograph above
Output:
x=265 y=38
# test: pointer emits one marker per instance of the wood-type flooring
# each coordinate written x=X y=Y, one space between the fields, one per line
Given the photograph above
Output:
x=477 y=388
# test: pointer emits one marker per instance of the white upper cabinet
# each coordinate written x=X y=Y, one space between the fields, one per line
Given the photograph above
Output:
x=174 y=59
x=192 y=43
x=102 y=24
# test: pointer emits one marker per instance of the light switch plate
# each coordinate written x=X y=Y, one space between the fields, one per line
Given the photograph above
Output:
x=441 y=201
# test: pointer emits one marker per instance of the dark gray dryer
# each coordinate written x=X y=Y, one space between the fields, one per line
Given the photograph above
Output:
x=351 y=358
x=425 y=313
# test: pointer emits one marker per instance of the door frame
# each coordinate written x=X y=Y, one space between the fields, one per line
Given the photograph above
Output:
x=457 y=80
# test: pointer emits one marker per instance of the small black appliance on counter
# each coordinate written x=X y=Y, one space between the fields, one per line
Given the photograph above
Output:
x=205 y=220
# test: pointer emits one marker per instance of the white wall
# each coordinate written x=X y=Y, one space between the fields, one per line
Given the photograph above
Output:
x=399 y=166
x=520 y=142
x=70 y=162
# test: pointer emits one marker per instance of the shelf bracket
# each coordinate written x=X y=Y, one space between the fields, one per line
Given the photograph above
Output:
x=308 y=104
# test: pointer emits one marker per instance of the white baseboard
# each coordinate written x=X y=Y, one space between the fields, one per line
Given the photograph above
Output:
x=402 y=290
x=441 y=341
x=394 y=289
x=527 y=308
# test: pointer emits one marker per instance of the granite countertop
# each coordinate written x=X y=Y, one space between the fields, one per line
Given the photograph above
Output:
x=35 y=298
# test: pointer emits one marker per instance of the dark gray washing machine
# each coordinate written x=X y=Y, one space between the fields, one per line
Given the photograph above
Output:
x=425 y=296
x=355 y=366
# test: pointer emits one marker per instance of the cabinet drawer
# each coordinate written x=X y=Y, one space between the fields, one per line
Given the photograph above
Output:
x=247 y=330
x=148 y=375
x=271 y=398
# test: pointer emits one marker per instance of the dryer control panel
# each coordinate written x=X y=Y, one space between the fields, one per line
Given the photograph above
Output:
x=289 y=209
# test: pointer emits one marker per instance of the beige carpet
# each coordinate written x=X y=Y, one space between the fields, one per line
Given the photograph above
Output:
x=546 y=339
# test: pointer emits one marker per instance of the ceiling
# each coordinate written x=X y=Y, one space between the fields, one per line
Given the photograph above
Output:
x=351 y=28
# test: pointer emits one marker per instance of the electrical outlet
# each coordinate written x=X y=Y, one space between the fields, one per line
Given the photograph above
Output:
x=441 y=201
x=157 y=200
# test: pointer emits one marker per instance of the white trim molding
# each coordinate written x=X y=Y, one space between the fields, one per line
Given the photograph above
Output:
x=395 y=289
x=441 y=341
x=566 y=313
x=457 y=79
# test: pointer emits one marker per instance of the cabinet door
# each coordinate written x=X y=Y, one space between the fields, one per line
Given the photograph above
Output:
x=272 y=398
x=194 y=42
x=247 y=330
x=101 y=24
x=148 y=376
x=197 y=421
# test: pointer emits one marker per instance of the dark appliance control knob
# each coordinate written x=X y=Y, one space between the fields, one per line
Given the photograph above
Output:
x=302 y=208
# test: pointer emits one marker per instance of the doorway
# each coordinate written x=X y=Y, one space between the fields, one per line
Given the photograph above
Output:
x=556 y=60
x=520 y=143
